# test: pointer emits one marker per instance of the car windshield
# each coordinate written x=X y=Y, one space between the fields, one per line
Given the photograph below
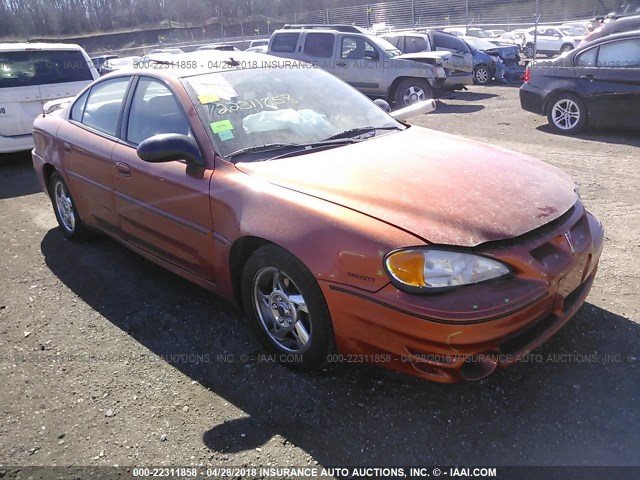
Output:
x=479 y=34
x=282 y=106
x=40 y=67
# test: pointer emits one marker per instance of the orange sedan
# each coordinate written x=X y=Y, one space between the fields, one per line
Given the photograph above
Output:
x=343 y=233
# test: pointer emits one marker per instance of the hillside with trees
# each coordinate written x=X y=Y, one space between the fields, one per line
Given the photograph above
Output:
x=23 y=19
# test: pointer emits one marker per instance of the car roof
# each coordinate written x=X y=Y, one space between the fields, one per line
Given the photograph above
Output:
x=404 y=34
x=25 y=46
x=615 y=36
x=208 y=61
x=622 y=21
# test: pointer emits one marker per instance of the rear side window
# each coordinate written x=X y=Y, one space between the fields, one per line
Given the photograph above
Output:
x=285 y=42
x=416 y=44
x=102 y=110
x=319 y=45
x=78 y=108
x=28 y=68
x=620 y=54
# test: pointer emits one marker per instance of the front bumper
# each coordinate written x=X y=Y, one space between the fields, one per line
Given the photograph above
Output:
x=453 y=339
x=19 y=143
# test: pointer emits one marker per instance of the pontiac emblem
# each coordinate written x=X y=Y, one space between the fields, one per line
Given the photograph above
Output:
x=569 y=240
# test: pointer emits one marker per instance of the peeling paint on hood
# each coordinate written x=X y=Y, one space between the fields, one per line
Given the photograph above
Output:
x=441 y=188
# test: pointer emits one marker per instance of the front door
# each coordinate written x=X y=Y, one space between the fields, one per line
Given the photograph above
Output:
x=163 y=208
x=359 y=63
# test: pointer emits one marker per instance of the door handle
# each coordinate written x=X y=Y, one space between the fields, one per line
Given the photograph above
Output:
x=66 y=147
x=587 y=77
x=123 y=169
x=341 y=64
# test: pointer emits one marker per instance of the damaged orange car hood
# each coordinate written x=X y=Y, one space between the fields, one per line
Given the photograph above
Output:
x=442 y=188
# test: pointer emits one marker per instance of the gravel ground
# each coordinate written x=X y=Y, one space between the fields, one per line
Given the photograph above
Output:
x=106 y=359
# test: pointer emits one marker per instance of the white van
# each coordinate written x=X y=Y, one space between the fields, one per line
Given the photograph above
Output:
x=32 y=74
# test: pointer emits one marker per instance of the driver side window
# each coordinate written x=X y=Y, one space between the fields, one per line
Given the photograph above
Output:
x=155 y=110
x=356 y=48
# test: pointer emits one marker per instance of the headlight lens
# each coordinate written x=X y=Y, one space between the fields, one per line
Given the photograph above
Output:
x=428 y=269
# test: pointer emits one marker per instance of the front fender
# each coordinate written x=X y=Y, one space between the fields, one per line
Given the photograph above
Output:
x=335 y=243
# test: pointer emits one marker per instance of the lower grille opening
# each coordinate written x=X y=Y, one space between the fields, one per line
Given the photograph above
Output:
x=520 y=341
x=477 y=369
x=571 y=299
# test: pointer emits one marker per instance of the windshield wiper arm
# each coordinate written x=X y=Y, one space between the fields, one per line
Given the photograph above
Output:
x=301 y=146
x=262 y=148
x=354 y=132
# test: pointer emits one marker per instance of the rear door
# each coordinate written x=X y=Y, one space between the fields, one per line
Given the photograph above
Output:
x=284 y=44
x=28 y=78
x=462 y=60
x=163 y=208
x=319 y=49
x=609 y=76
x=88 y=139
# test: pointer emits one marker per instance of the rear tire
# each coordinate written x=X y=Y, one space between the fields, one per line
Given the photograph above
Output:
x=567 y=114
x=65 y=210
x=286 y=309
x=529 y=51
x=567 y=47
x=412 y=90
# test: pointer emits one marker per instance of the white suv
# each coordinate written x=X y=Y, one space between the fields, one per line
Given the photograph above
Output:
x=551 y=40
x=32 y=74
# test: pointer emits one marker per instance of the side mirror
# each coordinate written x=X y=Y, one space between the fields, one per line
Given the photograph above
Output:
x=168 y=147
x=383 y=104
x=418 y=108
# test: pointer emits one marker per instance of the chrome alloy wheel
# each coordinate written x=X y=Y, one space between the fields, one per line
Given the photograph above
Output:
x=565 y=114
x=282 y=310
x=64 y=205
x=414 y=94
x=482 y=76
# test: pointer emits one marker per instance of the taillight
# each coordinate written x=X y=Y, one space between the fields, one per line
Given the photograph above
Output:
x=527 y=75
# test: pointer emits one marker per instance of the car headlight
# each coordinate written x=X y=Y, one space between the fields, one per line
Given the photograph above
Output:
x=425 y=270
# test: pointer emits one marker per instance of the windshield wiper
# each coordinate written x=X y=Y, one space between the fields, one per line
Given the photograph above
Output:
x=354 y=132
x=262 y=148
x=300 y=146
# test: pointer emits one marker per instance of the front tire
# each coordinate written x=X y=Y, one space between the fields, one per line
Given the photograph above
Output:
x=286 y=309
x=567 y=114
x=65 y=210
x=481 y=75
x=412 y=90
